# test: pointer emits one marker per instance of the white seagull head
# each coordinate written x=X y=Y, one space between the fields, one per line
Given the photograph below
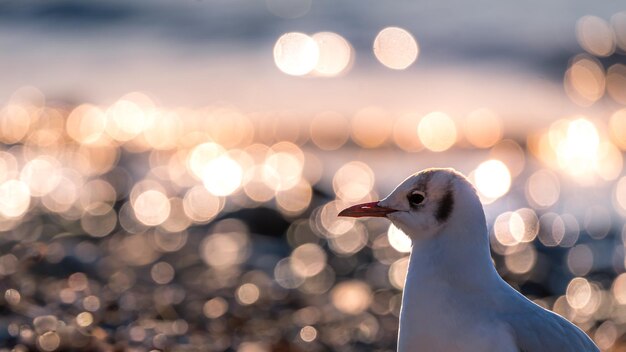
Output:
x=425 y=203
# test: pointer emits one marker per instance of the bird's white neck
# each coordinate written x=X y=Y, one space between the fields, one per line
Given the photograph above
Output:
x=454 y=257
x=456 y=262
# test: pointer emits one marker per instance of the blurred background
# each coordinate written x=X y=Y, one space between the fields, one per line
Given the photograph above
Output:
x=171 y=171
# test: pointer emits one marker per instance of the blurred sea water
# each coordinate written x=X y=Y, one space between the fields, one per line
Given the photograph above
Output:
x=167 y=186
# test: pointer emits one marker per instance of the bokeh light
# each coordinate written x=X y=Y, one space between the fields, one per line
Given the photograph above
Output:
x=353 y=181
x=615 y=82
x=296 y=53
x=395 y=48
x=584 y=80
x=351 y=297
x=14 y=198
x=483 y=128
x=202 y=213
x=14 y=124
x=543 y=188
x=398 y=271
x=398 y=239
x=405 y=132
x=492 y=180
x=595 y=36
x=437 y=131
x=330 y=130
x=371 y=127
x=151 y=207
x=335 y=54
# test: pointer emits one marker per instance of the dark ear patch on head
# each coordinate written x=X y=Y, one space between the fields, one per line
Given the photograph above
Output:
x=446 y=204
x=425 y=177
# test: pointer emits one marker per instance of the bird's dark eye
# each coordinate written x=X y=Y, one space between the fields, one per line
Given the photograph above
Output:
x=416 y=197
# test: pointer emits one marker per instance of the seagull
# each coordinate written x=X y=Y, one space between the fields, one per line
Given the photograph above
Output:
x=454 y=299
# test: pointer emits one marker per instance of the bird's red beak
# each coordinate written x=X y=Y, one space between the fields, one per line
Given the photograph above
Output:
x=366 y=209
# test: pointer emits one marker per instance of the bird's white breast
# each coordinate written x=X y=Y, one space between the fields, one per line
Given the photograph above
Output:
x=438 y=319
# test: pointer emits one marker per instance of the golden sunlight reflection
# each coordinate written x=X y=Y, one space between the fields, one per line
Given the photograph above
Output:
x=219 y=172
x=177 y=221
x=543 y=188
x=398 y=271
x=330 y=130
x=126 y=120
x=162 y=273
x=283 y=170
x=169 y=241
x=483 y=128
x=86 y=124
x=295 y=200
x=577 y=147
x=227 y=126
x=371 y=127
x=619 y=195
x=492 y=180
x=437 y=131
x=285 y=276
x=247 y=294
x=353 y=181
x=14 y=198
x=580 y=260
x=578 y=293
x=260 y=182
x=398 y=239
x=511 y=154
x=606 y=335
x=308 y=260
x=42 y=175
x=616 y=83
x=63 y=196
x=395 y=48
x=164 y=131
x=181 y=224
x=405 y=133
x=349 y=242
x=308 y=333
x=222 y=176
x=513 y=228
x=151 y=207
x=8 y=166
x=335 y=54
x=327 y=221
x=584 y=80
x=215 y=307
x=201 y=155
x=200 y=205
x=351 y=297
x=223 y=250
x=296 y=53
x=595 y=36
x=99 y=220
x=15 y=122
x=520 y=259
x=49 y=341
x=619 y=289
x=84 y=319
x=555 y=230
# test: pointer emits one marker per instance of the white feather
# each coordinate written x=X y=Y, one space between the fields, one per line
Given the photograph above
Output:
x=454 y=300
